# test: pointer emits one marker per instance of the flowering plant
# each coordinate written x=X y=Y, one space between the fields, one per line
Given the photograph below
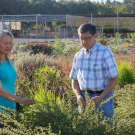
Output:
x=42 y=48
x=102 y=41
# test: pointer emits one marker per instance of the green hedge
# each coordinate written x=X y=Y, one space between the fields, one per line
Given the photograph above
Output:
x=111 y=29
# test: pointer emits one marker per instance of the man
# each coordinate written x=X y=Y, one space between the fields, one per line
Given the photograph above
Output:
x=94 y=70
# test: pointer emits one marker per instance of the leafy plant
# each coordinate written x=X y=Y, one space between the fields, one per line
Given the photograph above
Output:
x=117 y=45
x=49 y=77
x=102 y=41
x=133 y=37
x=42 y=48
x=71 y=49
x=58 y=47
x=126 y=73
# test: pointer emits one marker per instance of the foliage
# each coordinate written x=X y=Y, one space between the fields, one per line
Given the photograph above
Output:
x=45 y=79
x=54 y=76
x=15 y=124
x=125 y=110
x=116 y=45
x=132 y=37
x=42 y=48
x=111 y=29
x=126 y=72
x=55 y=115
x=34 y=61
x=71 y=49
x=58 y=47
x=49 y=77
x=18 y=44
x=127 y=40
x=64 y=7
x=102 y=41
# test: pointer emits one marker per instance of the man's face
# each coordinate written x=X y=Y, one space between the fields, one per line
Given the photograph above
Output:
x=87 y=40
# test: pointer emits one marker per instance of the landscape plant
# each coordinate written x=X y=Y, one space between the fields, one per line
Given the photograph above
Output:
x=116 y=45
x=102 y=41
x=45 y=79
x=42 y=48
x=132 y=37
x=58 y=47
x=55 y=115
x=126 y=72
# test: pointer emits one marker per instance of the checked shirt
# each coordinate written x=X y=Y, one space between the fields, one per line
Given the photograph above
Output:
x=94 y=68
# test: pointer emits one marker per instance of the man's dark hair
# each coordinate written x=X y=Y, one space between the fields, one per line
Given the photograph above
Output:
x=87 y=27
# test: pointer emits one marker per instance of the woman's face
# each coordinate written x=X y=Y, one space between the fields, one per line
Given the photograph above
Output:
x=5 y=45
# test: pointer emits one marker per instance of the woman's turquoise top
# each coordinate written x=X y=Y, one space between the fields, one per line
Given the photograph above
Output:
x=8 y=77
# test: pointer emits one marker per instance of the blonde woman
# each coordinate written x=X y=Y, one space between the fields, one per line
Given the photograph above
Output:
x=8 y=74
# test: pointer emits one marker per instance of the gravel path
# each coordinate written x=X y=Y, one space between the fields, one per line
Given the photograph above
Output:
x=26 y=40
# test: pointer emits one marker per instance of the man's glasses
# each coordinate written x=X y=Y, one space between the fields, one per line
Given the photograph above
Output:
x=86 y=39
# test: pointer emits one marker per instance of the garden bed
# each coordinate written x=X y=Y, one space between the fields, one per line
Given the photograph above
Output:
x=45 y=79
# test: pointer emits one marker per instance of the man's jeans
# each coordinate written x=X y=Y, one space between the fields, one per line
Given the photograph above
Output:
x=107 y=108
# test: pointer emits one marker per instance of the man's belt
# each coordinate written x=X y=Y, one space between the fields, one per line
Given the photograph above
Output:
x=93 y=92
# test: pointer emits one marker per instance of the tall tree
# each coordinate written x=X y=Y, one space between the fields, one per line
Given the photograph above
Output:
x=127 y=1
x=108 y=2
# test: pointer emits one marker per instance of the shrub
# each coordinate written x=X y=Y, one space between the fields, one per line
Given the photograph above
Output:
x=34 y=61
x=126 y=73
x=116 y=45
x=125 y=109
x=58 y=47
x=63 y=116
x=111 y=29
x=71 y=49
x=42 y=48
x=49 y=77
x=102 y=41
x=51 y=115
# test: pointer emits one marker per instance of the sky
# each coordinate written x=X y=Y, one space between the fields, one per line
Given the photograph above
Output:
x=105 y=0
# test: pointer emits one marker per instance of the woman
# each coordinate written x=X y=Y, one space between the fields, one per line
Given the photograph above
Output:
x=8 y=74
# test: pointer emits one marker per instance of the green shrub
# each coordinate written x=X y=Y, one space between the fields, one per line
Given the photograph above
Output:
x=50 y=77
x=111 y=29
x=71 y=49
x=126 y=73
x=125 y=109
x=133 y=37
x=58 y=47
x=64 y=116
x=51 y=115
x=116 y=45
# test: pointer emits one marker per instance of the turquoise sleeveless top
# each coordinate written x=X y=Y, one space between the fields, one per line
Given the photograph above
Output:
x=8 y=77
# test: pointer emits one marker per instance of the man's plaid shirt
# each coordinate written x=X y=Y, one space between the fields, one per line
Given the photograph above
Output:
x=94 y=68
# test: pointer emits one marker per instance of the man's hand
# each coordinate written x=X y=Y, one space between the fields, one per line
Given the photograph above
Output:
x=80 y=98
x=95 y=100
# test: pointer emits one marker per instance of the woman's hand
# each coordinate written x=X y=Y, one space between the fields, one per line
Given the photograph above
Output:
x=26 y=101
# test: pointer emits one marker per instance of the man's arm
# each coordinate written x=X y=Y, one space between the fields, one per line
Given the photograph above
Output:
x=76 y=89
x=113 y=82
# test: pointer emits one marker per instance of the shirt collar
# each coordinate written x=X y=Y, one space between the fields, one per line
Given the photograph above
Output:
x=92 y=49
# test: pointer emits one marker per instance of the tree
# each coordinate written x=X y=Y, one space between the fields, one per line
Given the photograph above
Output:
x=127 y=1
x=108 y=2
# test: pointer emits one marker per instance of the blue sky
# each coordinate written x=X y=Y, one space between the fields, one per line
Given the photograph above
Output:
x=105 y=0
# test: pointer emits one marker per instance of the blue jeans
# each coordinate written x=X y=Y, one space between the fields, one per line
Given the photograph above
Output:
x=107 y=108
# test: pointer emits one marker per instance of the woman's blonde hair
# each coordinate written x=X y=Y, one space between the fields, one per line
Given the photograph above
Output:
x=7 y=33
